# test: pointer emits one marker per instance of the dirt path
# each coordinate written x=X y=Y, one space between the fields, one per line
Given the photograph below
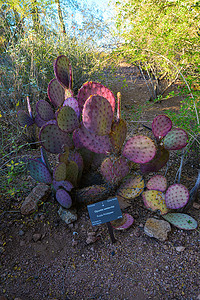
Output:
x=61 y=265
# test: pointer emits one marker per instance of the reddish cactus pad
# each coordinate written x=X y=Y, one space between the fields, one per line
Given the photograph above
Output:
x=161 y=125
x=123 y=223
x=97 y=115
x=56 y=93
x=95 y=88
x=73 y=103
x=176 y=139
x=62 y=71
x=157 y=182
x=177 y=196
x=139 y=149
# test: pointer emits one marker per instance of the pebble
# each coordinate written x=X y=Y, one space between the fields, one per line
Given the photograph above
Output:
x=180 y=249
x=37 y=237
x=157 y=229
x=68 y=215
x=196 y=205
x=21 y=232
x=2 y=251
x=22 y=243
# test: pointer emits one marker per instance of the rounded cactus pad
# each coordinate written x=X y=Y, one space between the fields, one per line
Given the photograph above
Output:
x=64 y=198
x=39 y=171
x=53 y=139
x=161 y=125
x=132 y=187
x=182 y=221
x=45 y=110
x=56 y=93
x=24 y=118
x=95 y=88
x=59 y=173
x=94 y=142
x=73 y=103
x=157 y=163
x=66 y=185
x=75 y=156
x=76 y=140
x=155 y=200
x=62 y=71
x=123 y=223
x=157 y=182
x=177 y=196
x=118 y=135
x=97 y=115
x=39 y=121
x=176 y=139
x=114 y=169
x=72 y=172
x=139 y=149
x=67 y=119
x=64 y=157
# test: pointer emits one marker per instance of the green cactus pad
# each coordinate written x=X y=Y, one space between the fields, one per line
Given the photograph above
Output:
x=53 y=139
x=177 y=196
x=64 y=198
x=139 y=149
x=161 y=125
x=114 y=169
x=155 y=200
x=45 y=110
x=56 y=93
x=157 y=163
x=97 y=115
x=24 y=118
x=39 y=171
x=176 y=139
x=182 y=221
x=66 y=185
x=72 y=173
x=67 y=119
x=131 y=187
x=118 y=135
x=59 y=173
x=157 y=182
x=62 y=71
x=94 y=142
x=95 y=88
x=64 y=157
x=123 y=223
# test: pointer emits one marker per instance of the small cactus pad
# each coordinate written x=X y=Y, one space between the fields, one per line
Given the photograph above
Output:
x=123 y=223
x=72 y=172
x=73 y=103
x=132 y=187
x=155 y=200
x=39 y=171
x=161 y=125
x=56 y=93
x=114 y=169
x=157 y=163
x=59 y=173
x=64 y=198
x=157 y=182
x=38 y=121
x=45 y=158
x=63 y=157
x=177 y=196
x=45 y=110
x=61 y=70
x=76 y=140
x=52 y=138
x=67 y=119
x=95 y=88
x=176 y=139
x=97 y=115
x=182 y=221
x=24 y=118
x=139 y=149
x=118 y=135
x=94 y=142
x=62 y=184
x=75 y=156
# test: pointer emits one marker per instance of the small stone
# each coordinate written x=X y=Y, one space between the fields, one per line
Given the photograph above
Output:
x=68 y=215
x=37 y=237
x=137 y=232
x=91 y=238
x=74 y=243
x=22 y=243
x=157 y=229
x=21 y=232
x=180 y=249
x=2 y=251
x=196 y=205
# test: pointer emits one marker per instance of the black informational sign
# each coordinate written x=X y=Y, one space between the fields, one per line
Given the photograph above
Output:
x=104 y=211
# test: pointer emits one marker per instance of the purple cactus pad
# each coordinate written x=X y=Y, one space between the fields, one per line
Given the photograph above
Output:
x=39 y=171
x=62 y=184
x=161 y=125
x=64 y=198
x=61 y=71
x=177 y=196
x=176 y=139
x=73 y=103
x=56 y=93
x=24 y=118
x=128 y=221
x=157 y=163
x=38 y=121
x=44 y=110
x=157 y=182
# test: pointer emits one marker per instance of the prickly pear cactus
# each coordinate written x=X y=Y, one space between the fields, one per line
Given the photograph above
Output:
x=73 y=103
x=139 y=149
x=24 y=118
x=44 y=110
x=67 y=119
x=59 y=173
x=176 y=139
x=155 y=200
x=123 y=223
x=56 y=93
x=132 y=187
x=157 y=182
x=157 y=163
x=39 y=171
x=177 y=196
x=182 y=221
x=39 y=121
x=72 y=172
x=66 y=185
x=64 y=198
x=118 y=135
x=161 y=125
x=62 y=71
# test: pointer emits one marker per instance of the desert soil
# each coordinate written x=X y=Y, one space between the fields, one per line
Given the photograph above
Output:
x=61 y=265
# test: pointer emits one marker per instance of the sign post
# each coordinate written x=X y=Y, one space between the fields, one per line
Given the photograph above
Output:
x=104 y=212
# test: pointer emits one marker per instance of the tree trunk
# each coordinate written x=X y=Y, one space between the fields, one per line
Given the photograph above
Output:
x=62 y=24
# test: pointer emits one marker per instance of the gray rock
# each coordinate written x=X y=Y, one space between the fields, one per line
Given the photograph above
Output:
x=157 y=228
x=21 y=232
x=39 y=194
x=37 y=237
x=68 y=215
x=180 y=249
